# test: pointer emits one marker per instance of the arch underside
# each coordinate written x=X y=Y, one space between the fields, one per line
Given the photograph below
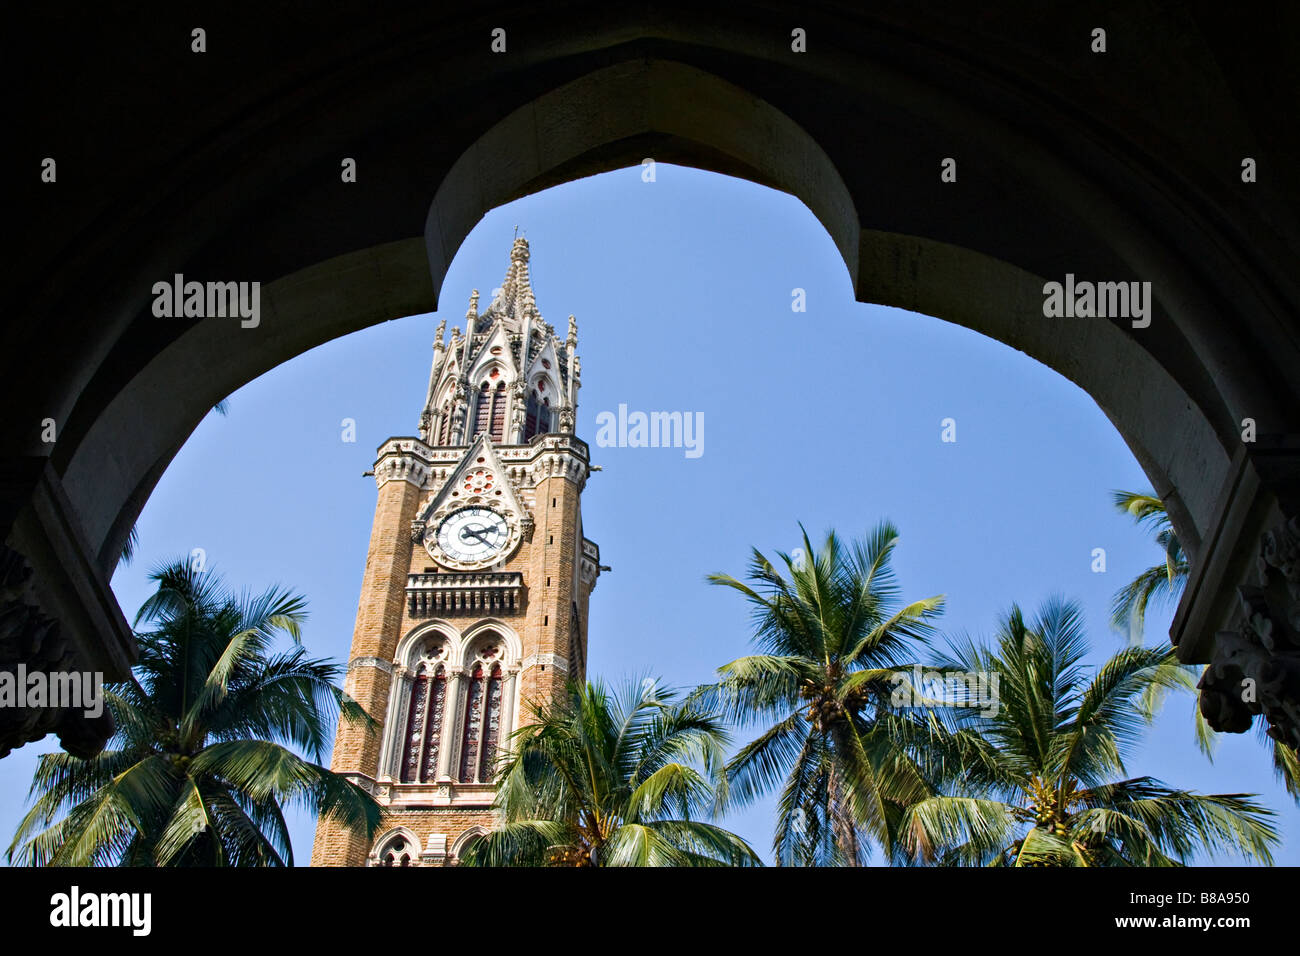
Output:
x=552 y=140
x=1048 y=183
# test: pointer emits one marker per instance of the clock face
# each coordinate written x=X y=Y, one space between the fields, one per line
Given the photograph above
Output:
x=473 y=535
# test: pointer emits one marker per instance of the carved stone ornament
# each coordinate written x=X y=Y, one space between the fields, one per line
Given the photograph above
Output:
x=31 y=642
x=1256 y=667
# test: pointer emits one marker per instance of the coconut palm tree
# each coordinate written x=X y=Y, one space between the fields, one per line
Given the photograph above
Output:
x=602 y=780
x=1042 y=779
x=201 y=764
x=832 y=634
x=1165 y=582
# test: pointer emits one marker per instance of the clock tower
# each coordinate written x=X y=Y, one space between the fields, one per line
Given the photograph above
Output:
x=477 y=579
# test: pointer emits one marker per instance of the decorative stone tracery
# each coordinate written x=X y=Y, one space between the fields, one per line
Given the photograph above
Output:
x=1256 y=666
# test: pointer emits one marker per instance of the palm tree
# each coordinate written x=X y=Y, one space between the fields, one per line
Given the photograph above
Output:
x=201 y=764
x=1165 y=582
x=599 y=780
x=1042 y=779
x=831 y=635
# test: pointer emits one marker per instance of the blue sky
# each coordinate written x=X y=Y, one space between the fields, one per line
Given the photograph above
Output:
x=831 y=417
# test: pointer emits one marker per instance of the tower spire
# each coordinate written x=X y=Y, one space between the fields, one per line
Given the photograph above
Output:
x=478 y=531
x=426 y=416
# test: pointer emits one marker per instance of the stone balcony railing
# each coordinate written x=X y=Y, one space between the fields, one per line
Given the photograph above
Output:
x=465 y=593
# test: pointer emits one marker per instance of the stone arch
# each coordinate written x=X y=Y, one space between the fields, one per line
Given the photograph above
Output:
x=1108 y=194
x=398 y=843
x=410 y=645
x=1179 y=436
x=476 y=832
x=513 y=649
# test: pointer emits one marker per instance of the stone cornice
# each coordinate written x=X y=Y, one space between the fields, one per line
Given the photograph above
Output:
x=541 y=660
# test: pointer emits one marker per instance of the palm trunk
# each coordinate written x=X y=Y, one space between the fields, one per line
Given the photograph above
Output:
x=841 y=820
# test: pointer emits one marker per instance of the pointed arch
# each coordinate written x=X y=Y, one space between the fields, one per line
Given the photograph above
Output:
x=444 y=424
x=498 y=427
x=483 y=409
x=537 y=414
x=489 y=702
x=466 y=840
x=425 y=719
x=472 y=727
x=397 y=847
x=421 y=704
x=490 y=629
x=409 y=648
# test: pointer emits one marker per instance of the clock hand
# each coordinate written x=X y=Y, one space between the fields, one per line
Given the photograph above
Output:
x=471 y=532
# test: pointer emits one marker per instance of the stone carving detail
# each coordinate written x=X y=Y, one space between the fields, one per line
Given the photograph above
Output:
x=459 y=409
x=1280 y=552
x=1256 y=668
x=476 y=593
x=395 y=467
x=376 y=662
x=31 y=640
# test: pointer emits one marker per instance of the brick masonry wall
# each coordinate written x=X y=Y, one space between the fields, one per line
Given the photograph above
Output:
x=379 y=617
x=348 y=849
x=555 y=548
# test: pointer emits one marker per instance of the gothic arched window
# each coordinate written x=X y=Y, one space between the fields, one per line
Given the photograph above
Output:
x=472 y=726
x=444 y=425
x=396 y=853
x=456 y=708
x=499 y=413
x=490 y=413
x=530 y=416
x=483 y=413
x=482 y=725
x=492 y=730
x=424 y=725
x=537 y=415
x=467 y=846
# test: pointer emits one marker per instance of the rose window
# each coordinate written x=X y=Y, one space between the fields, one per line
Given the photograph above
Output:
x=479 y=481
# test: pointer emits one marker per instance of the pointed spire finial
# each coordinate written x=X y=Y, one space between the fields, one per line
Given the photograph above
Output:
x=437 y=338
x=572 y=341
x=519 y=250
